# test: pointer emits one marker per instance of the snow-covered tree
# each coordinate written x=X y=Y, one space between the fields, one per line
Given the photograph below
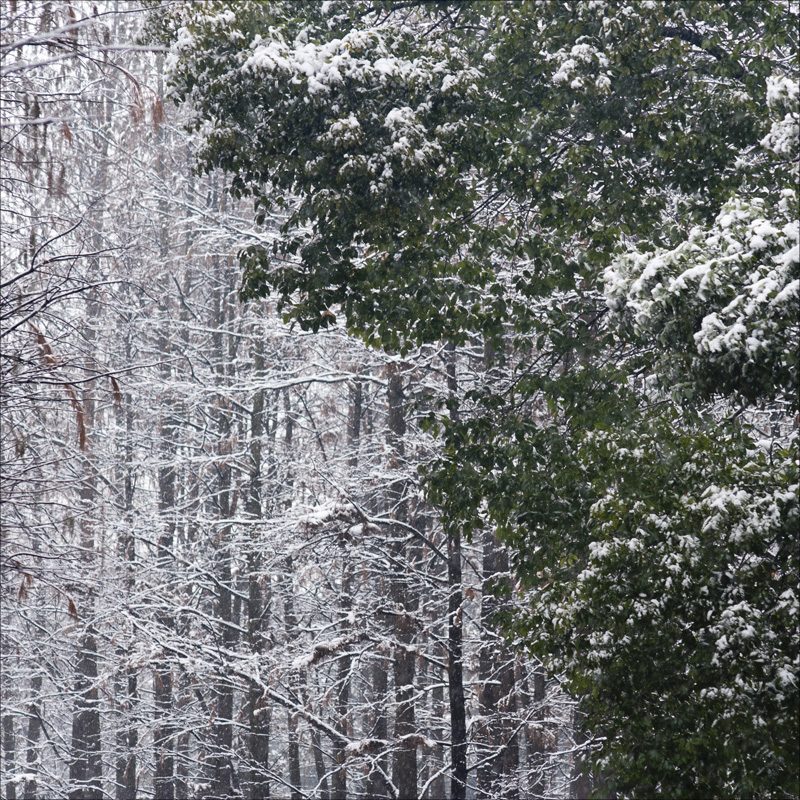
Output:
x=505 y=173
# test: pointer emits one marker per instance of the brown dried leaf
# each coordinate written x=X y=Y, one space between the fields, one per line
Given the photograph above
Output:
x=66 y=132
x=47 y=351
x=157 y=113
x=136 y=113
x=60 y=182
x=115 y=391
x=72 y=609
x=79 y=415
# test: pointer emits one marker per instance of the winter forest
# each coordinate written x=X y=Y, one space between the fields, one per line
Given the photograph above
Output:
x=399 y=399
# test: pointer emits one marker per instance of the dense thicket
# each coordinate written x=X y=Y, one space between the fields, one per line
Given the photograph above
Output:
x=437 y=437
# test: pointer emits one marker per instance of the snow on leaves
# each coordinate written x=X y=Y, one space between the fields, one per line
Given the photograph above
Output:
x=723 y=302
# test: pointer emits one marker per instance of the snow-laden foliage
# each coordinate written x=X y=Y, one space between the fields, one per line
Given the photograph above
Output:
x=683 y=579
x=723 y=303
x=219 y=575
x=499 y=175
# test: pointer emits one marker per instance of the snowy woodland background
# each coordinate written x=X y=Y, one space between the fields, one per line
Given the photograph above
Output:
x=222 y=573
x=219 y=574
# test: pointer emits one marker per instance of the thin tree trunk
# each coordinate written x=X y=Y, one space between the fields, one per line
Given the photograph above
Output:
x=290 y=622
x=438 y=787
x=536 y=742
x=497 y=778
x=127 y=739
x=377 y=785
x=489 y=660
x=455 y=669
x=182 y=743
x=86 y=764
x=32 y=757
x=127 y=735
x=223 y=773
x=163 y=734
x=293 y=742
x=319 y=763
x=339 y=780
x=295 y=778
x=404 y=770
x=257 y=708
x=9 y=756
x=508 y=728
x=455 y=635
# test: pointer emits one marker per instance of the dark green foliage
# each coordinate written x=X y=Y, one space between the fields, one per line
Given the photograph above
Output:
x=510 y=172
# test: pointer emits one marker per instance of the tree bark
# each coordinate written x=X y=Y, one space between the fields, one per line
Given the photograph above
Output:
x=9 y=756
x=86 y=763
x=32 y=757
x=127 y=734
x=404 y=770
x=224 y=779
x=497 y=777
x=257 y=708
x=536 y=741
x=339 y=778
x=163 y=734
x=455 y=635
x=319 y=763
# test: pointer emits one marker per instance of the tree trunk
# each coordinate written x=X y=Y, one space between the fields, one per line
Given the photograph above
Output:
x=489 y=659
x=86 y=763
x=455 y=635
x=32 y=757
x=497 y=775
x=455 y=669
x=9 y=756
x=257 y=708
x=536 y=741
x=319 y=764
x=127 y=740
x=339 y=779
x=438 y=786
x=163 y=734
x=86 y=766
x=404 y=770
x=127 y=735
x=377 y=785
x=224 y=778
x=293 y=744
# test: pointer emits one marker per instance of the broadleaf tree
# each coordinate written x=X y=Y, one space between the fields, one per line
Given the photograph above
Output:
x=602 y=195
